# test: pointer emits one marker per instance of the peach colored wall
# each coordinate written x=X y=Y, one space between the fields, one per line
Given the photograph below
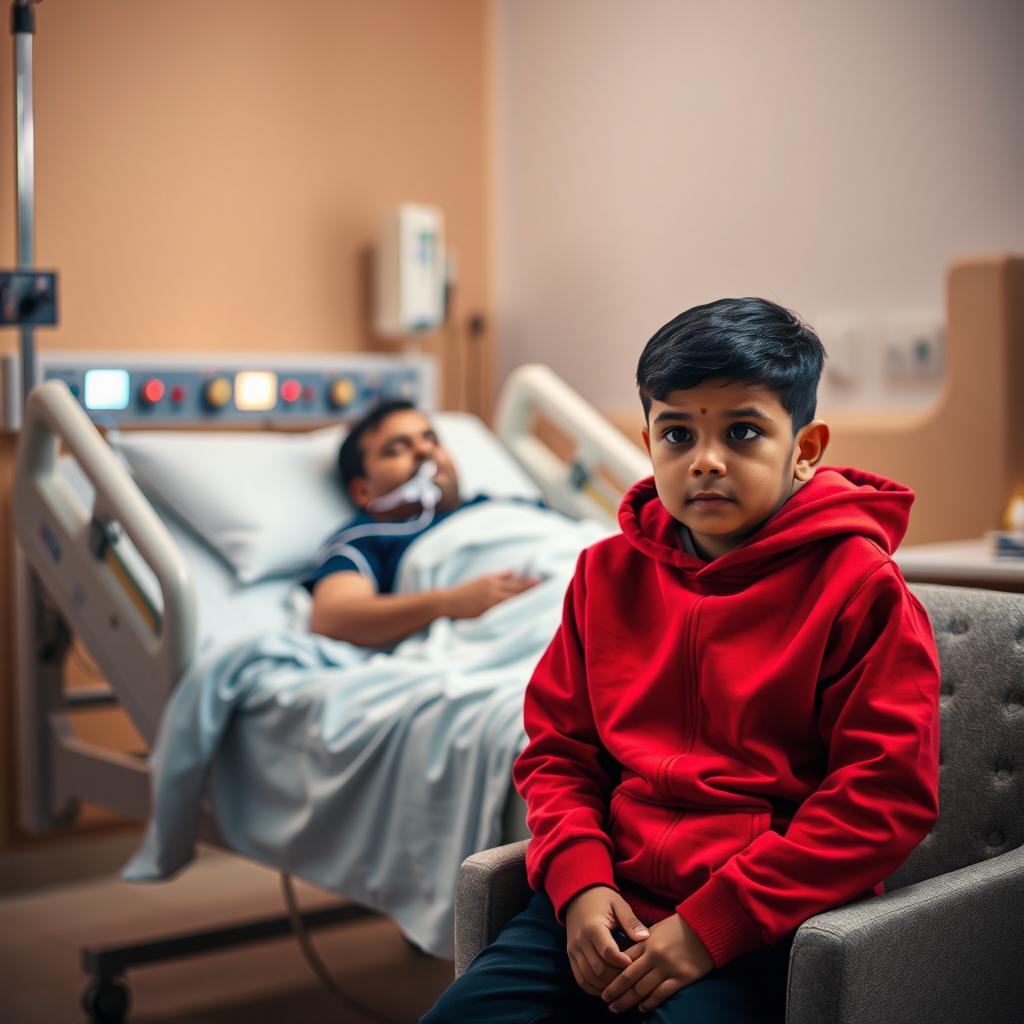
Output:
x=210 y=175
x=829 y=155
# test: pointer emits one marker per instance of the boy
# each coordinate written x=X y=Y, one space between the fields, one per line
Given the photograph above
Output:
x=403 y=481
x=736 y=726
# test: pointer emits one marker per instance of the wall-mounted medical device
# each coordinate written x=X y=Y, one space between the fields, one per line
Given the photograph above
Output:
x=127 y=390
x=28 y=297
x=410 y=272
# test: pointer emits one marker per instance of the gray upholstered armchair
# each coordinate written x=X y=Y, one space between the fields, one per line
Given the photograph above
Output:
x=945 y=943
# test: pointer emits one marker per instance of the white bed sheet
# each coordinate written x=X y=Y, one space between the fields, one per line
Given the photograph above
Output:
x=227 y=608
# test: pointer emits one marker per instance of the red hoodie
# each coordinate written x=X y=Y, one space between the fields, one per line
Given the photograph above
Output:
x=751 y=740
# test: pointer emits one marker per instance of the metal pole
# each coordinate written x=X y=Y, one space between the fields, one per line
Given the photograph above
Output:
x=40 y=669
x=22 y=26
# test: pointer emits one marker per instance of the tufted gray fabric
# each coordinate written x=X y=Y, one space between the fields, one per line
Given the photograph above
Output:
x=980 y=638
x=945 y=944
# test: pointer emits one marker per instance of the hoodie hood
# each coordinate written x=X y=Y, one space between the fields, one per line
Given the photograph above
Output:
x=834 y=502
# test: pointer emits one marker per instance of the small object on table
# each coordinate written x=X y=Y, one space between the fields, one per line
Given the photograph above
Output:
x=1007 y=543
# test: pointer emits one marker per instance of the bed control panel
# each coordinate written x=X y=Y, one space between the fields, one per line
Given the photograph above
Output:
x=122 y=390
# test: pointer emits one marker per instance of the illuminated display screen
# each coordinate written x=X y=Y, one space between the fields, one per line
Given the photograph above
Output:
x=255 y=390
x=107 y=389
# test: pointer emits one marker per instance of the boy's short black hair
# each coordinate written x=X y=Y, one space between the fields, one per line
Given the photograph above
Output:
x=350 y=455
x=749 y=339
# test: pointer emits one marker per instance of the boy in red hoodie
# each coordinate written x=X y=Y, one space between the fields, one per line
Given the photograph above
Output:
x=736 y=725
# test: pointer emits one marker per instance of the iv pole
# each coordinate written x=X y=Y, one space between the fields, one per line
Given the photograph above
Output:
x=23 y=28
x=44 y=637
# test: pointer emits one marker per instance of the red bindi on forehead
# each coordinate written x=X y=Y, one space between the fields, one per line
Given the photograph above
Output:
x=703 y=412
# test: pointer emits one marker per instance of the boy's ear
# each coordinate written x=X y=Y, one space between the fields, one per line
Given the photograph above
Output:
x=646 y=435
x=359 y=491
x=810 y=444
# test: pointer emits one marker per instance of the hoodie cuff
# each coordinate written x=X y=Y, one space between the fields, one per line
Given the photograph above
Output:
x=578 y=866
x=721 y=921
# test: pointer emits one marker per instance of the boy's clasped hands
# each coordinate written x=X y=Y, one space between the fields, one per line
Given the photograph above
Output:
x=664 y=958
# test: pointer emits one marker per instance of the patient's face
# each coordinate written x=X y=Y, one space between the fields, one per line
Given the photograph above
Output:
x=394 y=452
x=733 y=442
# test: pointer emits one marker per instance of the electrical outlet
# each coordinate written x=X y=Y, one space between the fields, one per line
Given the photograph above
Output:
x=913 y=346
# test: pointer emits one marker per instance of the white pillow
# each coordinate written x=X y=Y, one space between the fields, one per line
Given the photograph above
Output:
x=266 y=501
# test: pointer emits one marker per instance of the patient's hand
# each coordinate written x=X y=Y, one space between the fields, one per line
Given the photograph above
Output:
x=468 y=600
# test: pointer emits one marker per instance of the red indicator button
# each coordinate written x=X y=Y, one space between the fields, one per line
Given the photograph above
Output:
x=177 y=394
x=290 y=390
x=152 y=391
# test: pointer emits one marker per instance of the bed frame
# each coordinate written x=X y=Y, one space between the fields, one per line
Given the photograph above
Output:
x=143 y=648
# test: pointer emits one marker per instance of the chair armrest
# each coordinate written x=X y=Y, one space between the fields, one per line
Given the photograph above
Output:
x=492 y=889
x=947 y=949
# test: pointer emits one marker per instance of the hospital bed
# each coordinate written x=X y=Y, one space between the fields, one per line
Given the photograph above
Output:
x=144 y=594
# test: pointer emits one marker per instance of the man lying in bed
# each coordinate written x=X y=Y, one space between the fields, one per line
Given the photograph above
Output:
x=403 y=482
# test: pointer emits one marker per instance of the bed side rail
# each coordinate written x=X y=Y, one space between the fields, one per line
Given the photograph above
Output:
x=580 y=461
x=142 y=645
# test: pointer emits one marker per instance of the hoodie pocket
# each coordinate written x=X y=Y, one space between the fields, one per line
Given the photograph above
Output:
x=673 y=850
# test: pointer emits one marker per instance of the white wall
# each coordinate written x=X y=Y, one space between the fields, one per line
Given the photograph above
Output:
x=656 y=154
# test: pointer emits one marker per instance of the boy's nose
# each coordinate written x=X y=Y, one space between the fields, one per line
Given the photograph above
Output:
x=706 y=461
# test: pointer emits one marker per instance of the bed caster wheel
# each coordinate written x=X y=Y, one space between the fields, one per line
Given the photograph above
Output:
x=107 y=1002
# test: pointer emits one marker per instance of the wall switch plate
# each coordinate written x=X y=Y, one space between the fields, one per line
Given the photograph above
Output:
x=914 y=346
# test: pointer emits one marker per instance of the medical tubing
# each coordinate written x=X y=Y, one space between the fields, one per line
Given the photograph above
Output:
x=419 y=487
x=313 y=958
x=421 y=522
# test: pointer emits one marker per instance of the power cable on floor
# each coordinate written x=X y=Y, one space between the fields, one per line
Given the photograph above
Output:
x=313 y=958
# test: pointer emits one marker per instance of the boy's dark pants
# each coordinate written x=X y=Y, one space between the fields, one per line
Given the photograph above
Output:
x=524 y=977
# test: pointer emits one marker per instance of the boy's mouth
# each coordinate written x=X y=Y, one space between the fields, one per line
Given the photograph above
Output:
x=708 y=498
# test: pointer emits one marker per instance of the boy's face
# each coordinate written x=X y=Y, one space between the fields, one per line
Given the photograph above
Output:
x=393 y=453
x=725 y=459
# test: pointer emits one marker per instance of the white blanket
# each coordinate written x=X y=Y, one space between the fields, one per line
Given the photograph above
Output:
x=374 y=775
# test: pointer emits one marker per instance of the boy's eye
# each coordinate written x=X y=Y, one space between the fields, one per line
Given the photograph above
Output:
x=676 y=435
x=743 y=432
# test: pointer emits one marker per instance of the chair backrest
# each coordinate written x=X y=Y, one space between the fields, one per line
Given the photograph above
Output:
x=980 y=639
